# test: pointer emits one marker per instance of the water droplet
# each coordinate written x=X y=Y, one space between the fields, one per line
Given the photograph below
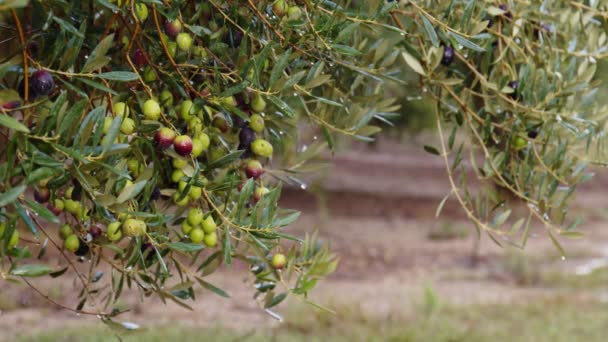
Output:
x=315 y=138
x=303 y=186
x=563 y=257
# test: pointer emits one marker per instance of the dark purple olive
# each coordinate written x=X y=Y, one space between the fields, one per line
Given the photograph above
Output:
x=41 y=83
x=246 y=136
x=95 y=231
x=507 y=13
x=83 y=249
x=532 y=134
x=448 y=56
x=155 y=194
x=42 y=195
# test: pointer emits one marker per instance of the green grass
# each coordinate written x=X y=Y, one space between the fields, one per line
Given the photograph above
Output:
x=554 y=319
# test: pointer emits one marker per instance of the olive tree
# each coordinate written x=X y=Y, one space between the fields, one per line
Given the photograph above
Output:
x=152 y=137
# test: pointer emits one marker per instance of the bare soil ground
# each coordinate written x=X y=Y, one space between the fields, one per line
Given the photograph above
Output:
x=377 y=210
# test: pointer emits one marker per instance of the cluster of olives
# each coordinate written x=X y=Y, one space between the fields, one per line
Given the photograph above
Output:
x=200 y=228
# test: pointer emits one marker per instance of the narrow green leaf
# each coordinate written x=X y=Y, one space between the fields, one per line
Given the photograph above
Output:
x=278 y=68
x=68 y=27
x=112 y=134
x=98 y=58
x=185 y=247
x=212 y=288
x=430 y=31
x=281 y=105
x=130 y=191
x=122 y=76
x=345 y=50
x=12 y=123
x=275 y=300
x=11 y=195
x=31 y=270
x=71 y=120
x=227 y=159
x=441 y=204
x=431 y=150
x=466 y=43
x=413 y=63
x=42 y=211
x=96 y=85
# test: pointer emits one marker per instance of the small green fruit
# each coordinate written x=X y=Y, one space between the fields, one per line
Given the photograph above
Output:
x=294 y=13
x=186 y=227
x=197 y=147
x=186 y=110
x=183 y=202
x=204 y=139
x=13 y=240
x=519 y=142
x=278 y=261
x=181 y=186
x=120 y=108
x=65 y=230
x=177 y=175
x=172 y=48
x=135 y=167
x=113 y=232
x=179 y=163
x=199 y=51
x=259 y=193
x=184 y=41
x=195 y=192
x=73 y=207
x=229 y=101
x=197 y=235
x=280 y=8
x=256 y=123
x=216 y=154
x=134 y=228
x=210 y=240
x=107 y=123
x=195 y=125
x=72 y=243
x=59 y=204
x=149 y=74
x=128 y=126
x=152 y=110
x=209 y=225
x=141 y=10
x=195 y=216
x=166 y=98
x=261 y=148
x=258 y=104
